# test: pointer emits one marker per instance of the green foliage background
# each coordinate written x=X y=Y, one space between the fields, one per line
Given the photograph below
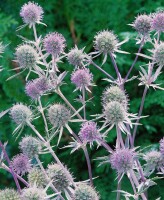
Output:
x=78 y=21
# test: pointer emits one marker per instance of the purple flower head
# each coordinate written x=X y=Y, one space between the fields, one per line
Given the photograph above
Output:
x=21 y=164
x=158 y=22
x=54 y=44
x=82 y=78
x=154 y=159
x=122 y=160
x=159 y=54
x=142 y=24
x=162 y=146
x=31 y=13
x=37 y=87
x=32 y=90
x=42 y=84
x=20 y=114
x=89 y=132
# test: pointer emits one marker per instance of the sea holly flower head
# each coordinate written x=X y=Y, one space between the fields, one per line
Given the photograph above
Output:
x=54 y=44
x=85 y=192
x=31 y=13
x=122 y=160
x=60 y=180
x=77 y=57
x=142 y=24
x=114 y=93
x=34 y=193
x=89 y=132
x=158 y=21
x=37 y=87
x=158 y=55
x=82 y=78
x=154 y=160
x=26 y=56
x=115 y=114
x=21 y=114
x=36 y=178
x=30 y=146
x=58 y=115
x=21 y=164
x=106 y=42
x=9 y=194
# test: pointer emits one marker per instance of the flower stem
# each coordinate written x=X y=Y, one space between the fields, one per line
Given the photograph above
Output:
x=88 y=164
x=83 y=94
x=19 y=177
x=140 y=112
x=116 y=68
x=44 y=119
x=135 y=60
x=67 y=102
x=12 y=171
x=99 y=68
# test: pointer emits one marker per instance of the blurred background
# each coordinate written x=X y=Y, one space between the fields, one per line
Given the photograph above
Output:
x=79 y=21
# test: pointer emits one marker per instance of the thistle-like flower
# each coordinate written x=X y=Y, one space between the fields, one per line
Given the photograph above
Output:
x=158 y=21
x=154 y=160
x=34 y=193
x=26 y=56
x=89 y=133
x=158 y=55
x=106 y=42
x=30 y=146
x=21 y=164
x=85 y=192
x=32 y=90
x=60 y=180
x=31 y=13
x=114 y=93
x=162 y=146
x=9 y=194
x=58 y=115
x=142 y=24
x=122 y=160
x=36 y=177
x=37 y=87
x=82 y=78
x=77 y=57
x=115 y=114
x=21 y=114
x=54 y=44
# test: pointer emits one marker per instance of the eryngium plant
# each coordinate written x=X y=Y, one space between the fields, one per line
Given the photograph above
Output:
x=41 y=57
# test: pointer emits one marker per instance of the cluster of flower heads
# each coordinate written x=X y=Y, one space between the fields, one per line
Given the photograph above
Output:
x=37 y=87
x=124 y=158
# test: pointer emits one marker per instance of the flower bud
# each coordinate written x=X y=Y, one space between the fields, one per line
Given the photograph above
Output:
x=159 y=54
x=34 y=193
x=9 y=194
x=158 y=21
x=36 y=177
